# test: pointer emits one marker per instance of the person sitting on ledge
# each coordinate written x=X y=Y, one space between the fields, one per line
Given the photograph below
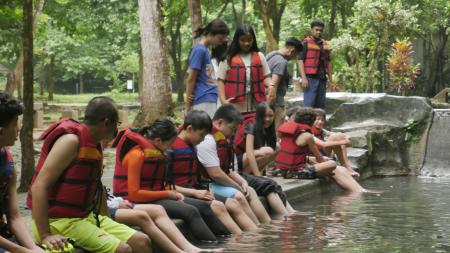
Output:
x=13 y=232
x=331 y=143
x=297 y=143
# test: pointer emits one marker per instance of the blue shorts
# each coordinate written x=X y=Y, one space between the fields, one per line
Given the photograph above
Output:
x=223 y=191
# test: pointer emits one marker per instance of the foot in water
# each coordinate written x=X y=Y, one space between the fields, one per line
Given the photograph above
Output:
x=372 y=191
x=197 y=250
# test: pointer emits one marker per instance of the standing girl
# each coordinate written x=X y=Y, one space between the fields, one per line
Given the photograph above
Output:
x=245 y=76
x=201 y=87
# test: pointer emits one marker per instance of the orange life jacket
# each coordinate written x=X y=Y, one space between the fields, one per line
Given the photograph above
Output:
x=311 y=63
x=235 y=80
x=291 y=156
x=184 y=168
x=74 y=194
x=240 y=136
x=6 y=173
x=153 y=169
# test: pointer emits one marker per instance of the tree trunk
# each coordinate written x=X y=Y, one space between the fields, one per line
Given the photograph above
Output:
x=156 y=96
x=81 y=83
x=42 y=78
x=51 y=78
x=18 y=70
x=271 y=42
x=195 y=13
x=26 y=132
x=435 y=62
x=332 y=24
x=243 y=13
x=141 y=72
x=271 y=16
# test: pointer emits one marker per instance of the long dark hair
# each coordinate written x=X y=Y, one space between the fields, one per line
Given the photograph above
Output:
x=235 y=49
x=220 y=52
x=217 y=26
x=264 y=136
x=162 y=128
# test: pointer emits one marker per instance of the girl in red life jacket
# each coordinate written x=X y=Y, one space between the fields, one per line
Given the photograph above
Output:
x=201 y=86
x=244 y=77
x=12 y=228
x=322 y=166
x=330 y=143
x=140 y=176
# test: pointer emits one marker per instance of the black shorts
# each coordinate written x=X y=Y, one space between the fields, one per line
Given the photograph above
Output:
x=264 y=186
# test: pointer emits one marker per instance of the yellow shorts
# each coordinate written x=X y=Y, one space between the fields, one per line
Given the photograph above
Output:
x=87 y=235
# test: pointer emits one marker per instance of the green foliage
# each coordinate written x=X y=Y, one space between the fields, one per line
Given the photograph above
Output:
x=412 y=129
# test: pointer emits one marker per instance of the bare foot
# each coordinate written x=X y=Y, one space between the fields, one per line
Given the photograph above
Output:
x=353 y=173
x=197 y=250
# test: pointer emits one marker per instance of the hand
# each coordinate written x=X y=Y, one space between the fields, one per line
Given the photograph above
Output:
x=228 y=100
x=305 y=83
x=203 y=194
x=36 y=250
x=244 y=187
x=190 y=99
x=271 y=95
x=176 y=196
x=125 y=205
x=55 y=241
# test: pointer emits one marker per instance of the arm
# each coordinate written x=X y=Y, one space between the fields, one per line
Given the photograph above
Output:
x=221 y=91
x=194 y=193
x=327 y=144
x=250 y=153
x=64 y=151
x=330 y=71
x=134 y=160
x=308 y=139
x=16 y=223
x=301 y=68
x=273 y=87
x=190 y=87
x=218 y=176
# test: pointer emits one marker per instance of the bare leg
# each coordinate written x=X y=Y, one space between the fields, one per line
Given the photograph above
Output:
x=140 y=242
x=346 y=181
x=159 y=215
x=258 y=207
x=246 y=207
x=222 y=214
x=238 y=214
x=263 y=157
x=124 y=248
x=141 y=219
x=276 y=204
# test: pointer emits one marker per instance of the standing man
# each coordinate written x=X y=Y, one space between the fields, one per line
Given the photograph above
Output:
x=314 y=65
x=278 y=63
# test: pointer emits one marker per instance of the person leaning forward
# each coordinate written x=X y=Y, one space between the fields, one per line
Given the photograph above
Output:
x=66 y=184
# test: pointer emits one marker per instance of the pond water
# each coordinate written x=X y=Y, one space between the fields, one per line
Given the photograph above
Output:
x=412 y=215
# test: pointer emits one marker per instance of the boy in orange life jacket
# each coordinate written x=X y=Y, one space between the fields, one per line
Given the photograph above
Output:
x=65 y=188
x=140 y=177
x=215 y=153
x=14 y=236
x=330 y=143
x=187 y=174
x=297 y=142
x=315 y=65
x=244 y=77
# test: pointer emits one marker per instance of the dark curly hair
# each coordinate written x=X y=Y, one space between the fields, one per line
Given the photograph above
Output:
x=305 y=116
x=10 y=108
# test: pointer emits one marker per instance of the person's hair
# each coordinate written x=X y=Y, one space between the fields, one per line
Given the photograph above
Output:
x=10 y=108
x=220 y=52
x=305 y=116
x=100 y=108
x=162 y=128
x=318 y=23
x=199 y=120
x=216 y=26
x=320 y=112
x=235 y=49
x=295 y=43
x=229 y=113
x=291 y=111
x=264 y=135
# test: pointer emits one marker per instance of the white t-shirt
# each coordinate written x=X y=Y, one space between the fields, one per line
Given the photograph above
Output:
x=247 y=59
x=207 y=153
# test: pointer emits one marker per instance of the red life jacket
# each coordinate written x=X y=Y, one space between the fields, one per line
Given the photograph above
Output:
x=240 y=136
x=224 y=151
x=291 y=156
x=153 y=169
x=184 y=167
x=6 y=172
x=235 y=80
x=74 y=194
x=311 y=63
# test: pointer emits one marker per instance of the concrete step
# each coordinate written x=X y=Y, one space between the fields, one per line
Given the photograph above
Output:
x=358 y=138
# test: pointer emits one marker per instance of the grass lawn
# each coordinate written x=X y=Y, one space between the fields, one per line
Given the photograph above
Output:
x=84 y=98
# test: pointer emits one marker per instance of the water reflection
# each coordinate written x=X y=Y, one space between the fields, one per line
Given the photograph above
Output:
x=412 y=215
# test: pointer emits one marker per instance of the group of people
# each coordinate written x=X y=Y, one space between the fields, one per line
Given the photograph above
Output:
x=208 y=171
